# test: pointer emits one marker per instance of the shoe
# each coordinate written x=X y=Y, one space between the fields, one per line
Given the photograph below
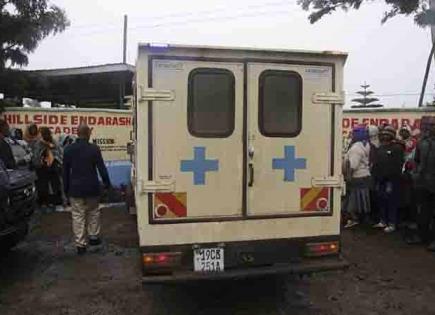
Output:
x=94 y=241
x=390 y=228
x=431 y=247
x=350 y=224
x=81 y=250
x=380 y=225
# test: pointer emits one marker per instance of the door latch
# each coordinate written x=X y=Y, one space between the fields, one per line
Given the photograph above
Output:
x=160 y=186
x=329 y=98
x=327 y=181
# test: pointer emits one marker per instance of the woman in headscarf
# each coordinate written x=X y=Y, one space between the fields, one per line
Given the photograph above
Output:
x=47 y=160
x=357 y=162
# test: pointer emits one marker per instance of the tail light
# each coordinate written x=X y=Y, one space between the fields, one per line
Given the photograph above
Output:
x=156 y=261
x=322 y=249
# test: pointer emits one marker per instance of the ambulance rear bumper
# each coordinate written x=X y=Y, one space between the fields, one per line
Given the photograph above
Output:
x=307 y=266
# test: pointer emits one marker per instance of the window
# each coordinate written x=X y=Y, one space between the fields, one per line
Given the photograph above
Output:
x=211 y=103
x=280 y=103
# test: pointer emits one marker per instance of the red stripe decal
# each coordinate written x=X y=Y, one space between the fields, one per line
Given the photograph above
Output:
x=173 y=203
x=313 y=206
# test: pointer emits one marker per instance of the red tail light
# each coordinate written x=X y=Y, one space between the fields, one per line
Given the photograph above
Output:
x=322 y=249
x=154 y=260
x=162 y=258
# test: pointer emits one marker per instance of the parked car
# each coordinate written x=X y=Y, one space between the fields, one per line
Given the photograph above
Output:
x=17 y=203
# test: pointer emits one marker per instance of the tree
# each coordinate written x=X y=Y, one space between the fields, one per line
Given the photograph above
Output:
x=419 y=8
x=23 y=24
x=366 y=101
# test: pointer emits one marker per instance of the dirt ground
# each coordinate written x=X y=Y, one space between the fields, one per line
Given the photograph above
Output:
x=44 y=276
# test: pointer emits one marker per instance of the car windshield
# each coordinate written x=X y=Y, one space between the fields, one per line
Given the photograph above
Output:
x=19 y=151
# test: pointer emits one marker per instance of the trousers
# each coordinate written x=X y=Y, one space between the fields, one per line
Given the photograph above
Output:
x=85 y=219
x=389 y=195
x=49 y=177
x=426 y=215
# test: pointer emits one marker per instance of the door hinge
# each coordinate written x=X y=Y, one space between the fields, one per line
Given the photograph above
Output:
x=328 y=181
x=156 y=95
x=330 y=98
x=153 y=186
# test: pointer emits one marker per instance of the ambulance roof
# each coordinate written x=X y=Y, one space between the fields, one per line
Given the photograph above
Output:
x=168 y=46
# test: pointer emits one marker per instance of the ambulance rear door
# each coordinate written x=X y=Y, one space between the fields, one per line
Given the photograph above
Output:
x=290 y=139
x=197 y=140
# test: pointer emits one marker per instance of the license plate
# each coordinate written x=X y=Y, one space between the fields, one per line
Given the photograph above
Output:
x=208 y=259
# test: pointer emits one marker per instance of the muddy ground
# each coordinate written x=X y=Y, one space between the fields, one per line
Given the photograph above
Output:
x=44 y=276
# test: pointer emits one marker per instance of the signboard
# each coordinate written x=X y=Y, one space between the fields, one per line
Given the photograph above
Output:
x=111 y=131
x=378 y=117
x=396 y=119
x=110 y=128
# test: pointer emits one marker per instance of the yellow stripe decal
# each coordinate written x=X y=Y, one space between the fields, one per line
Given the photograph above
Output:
x=312 y=194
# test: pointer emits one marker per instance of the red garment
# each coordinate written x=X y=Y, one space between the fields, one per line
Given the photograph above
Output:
x=410 y=145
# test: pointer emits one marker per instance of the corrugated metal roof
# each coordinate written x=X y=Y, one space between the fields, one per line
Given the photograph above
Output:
x=105 y=68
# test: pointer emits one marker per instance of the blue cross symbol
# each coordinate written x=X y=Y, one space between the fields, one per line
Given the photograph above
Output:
x=199 y=166
x=289 y=163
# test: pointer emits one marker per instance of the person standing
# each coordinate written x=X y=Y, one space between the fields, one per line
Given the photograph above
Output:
x=407 y=200
x=388 y=169
x=6 y=154
x=425 y=183
x=374 y=145
x=358 y=176
x=47 y=160
x=31 y=136
x=82 y=160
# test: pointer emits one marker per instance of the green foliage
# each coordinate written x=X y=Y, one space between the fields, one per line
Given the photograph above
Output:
x=365 y=100
x=7 y=103
x=13 y=82
x=419 y=8
x=23 y=24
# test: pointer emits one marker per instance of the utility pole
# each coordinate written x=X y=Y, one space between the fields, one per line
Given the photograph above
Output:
x=124 y=48
x=431 y=55
x=124 y=61
x=432 y=27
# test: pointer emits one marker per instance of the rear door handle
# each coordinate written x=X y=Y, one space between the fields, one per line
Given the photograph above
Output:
x=251 y=175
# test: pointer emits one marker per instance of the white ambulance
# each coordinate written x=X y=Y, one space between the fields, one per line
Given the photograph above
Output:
x=237 y=161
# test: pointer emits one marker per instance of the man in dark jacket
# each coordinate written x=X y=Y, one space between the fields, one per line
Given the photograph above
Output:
x=425 y=182
x=388 y=171
x=81 y=162
x=6 y=154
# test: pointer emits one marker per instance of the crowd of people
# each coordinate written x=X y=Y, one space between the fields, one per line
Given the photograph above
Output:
x=45 y=158
x=66 y=171
x=390 y=177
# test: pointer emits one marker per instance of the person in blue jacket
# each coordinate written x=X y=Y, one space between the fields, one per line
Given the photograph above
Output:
x=82 y=160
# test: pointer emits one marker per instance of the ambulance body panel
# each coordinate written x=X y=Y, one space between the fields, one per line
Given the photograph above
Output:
x=237 y=158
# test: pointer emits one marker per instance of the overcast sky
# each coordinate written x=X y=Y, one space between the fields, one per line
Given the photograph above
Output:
x=390 y=57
